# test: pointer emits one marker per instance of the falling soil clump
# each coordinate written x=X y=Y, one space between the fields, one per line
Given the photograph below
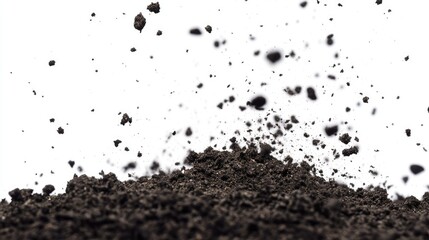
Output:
x=311 y=93
x=345 y=138
x=257 y=102
x=154 y=7
x=349 y=151
x=274 y=56
x=126 y=119
x=139 y=22
x=195 y=31
x=416 y=169
x=243 y=194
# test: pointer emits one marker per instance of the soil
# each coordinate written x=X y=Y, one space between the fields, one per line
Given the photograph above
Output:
x=243 y=194
x=154 y=7
x=139 y=22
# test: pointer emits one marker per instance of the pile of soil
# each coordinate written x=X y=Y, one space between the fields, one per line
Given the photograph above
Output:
x=238 y=194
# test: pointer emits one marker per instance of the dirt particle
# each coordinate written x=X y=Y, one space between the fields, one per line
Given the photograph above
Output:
x=378 y=2
x=365 y=99
x=154 y=7
x=117 y=142
x=195 y=31
x=311 y=93
x=200 y=85
x=126 y=119
x=133 y=49
x=274 y=56
x=345 y=138
x=257 y=102
x=48 y=189
x=330 y=39
x=407 y=58
x=139 y=154
x=416 y=169
x=52 y=120
x=332 y=77
x=331 y=130
x=408 y=132
x=349 y=151
x=129 y=166
x=71 y=163
x=51 y=63
x=303 y=4
x=188 y=132
x=209 y=28
x=139 y=22
x=154 y=166
x=159 y=33
x=60 y=130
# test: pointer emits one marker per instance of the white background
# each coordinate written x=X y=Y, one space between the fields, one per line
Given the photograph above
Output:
x=371 y=42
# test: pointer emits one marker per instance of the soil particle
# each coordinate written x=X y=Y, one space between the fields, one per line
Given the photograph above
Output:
x=332 y=77
x=154 y=166
x=71 y=163
x=139 y=154
x=416 y=169
x=48 y=189
x=365 y=99
x=154 y=7
x=378 y=2
x=408 y=132
x=195 y=31
x=257 y=102
x=188 y=132
x=311 y=93
x=130 y=165
x=159 y=33
x=243 y=194
x=117 y=142
x=139 y=22
x=345 y=138
x=293 y=119
x=331 y=130
x=133 y=49
x=209 y=28
x=407 y=58
x=52 y=120
x=349 y=151
x=330 y=39
x=126 y=119
x=303 y=4
x=274 y=56
x=51 y=63
x=60 y=130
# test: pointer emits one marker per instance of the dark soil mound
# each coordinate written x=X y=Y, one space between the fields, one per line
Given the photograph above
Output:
x=241 y=194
